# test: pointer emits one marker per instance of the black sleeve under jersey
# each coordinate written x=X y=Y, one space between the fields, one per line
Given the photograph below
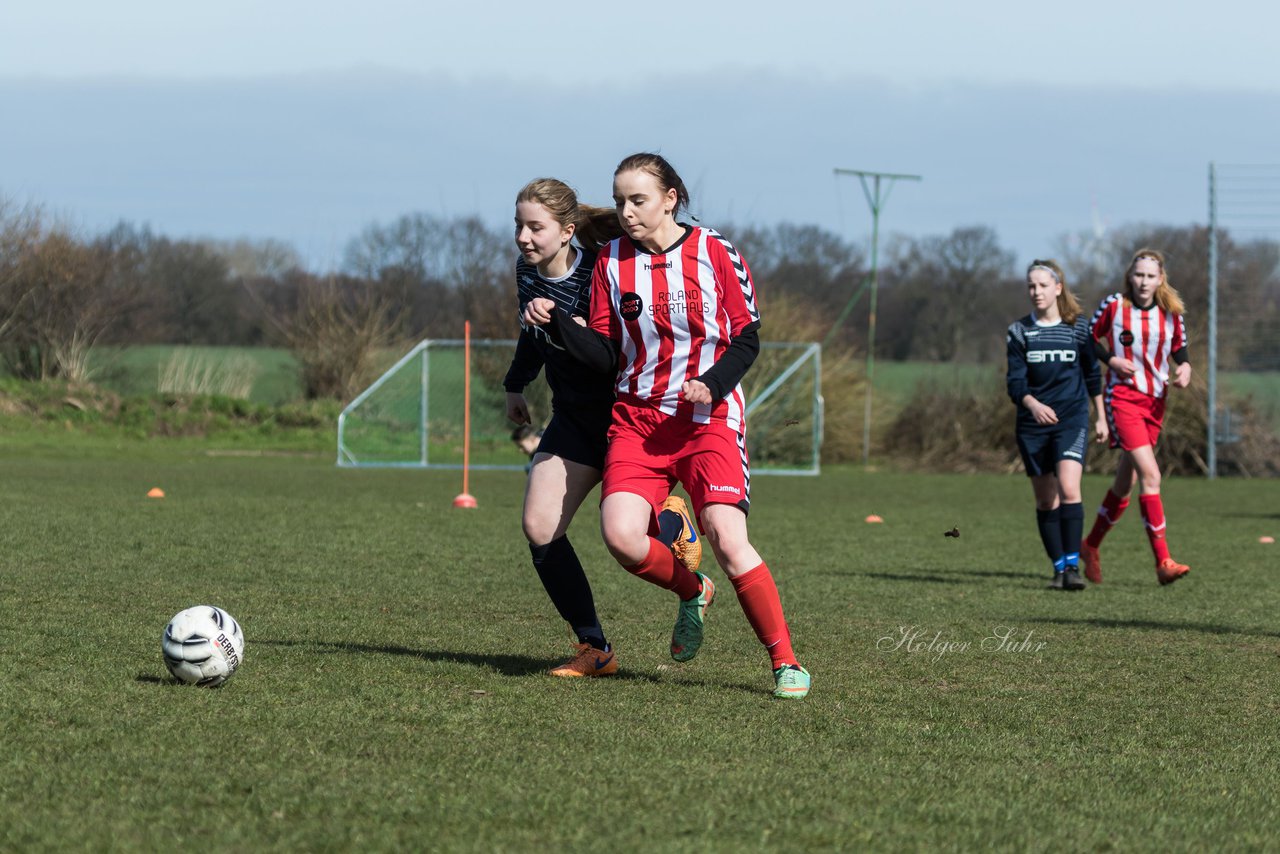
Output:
x=598 y=352
x=724 y=376
x=525 y=364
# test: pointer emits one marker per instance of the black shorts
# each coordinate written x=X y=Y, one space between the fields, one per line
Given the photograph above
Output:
x=1043 y=448
x=579 y=434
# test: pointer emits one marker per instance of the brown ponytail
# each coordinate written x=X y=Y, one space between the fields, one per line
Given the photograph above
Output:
x=593 y=226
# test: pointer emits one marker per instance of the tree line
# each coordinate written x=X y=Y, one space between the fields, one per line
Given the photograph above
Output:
x=940 y=298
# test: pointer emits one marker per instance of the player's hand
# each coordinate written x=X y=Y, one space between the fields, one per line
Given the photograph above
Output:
x=1101 y=432
x=696 y=391
x=1182 y=375
x=537 y=312
x=581 y=321
x=518 y=408
x=1041 y=413
x=1122 y=366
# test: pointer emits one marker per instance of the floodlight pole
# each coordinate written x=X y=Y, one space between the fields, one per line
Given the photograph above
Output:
x=876 y=201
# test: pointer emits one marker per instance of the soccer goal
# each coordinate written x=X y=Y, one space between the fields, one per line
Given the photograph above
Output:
x=414 y=415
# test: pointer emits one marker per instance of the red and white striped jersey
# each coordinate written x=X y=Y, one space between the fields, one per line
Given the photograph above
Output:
x=1145 y=337
x=673 y=314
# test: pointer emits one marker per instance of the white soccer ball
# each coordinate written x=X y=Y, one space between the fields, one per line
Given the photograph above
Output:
x=203 y=646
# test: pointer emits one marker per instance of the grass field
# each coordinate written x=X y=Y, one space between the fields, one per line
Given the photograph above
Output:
x=393 y=698
x=136 y=370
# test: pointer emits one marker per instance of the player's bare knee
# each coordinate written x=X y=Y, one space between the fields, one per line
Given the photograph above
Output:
x=627 y=545
x=538 y=531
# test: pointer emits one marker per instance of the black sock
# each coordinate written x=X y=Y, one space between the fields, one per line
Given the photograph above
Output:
x=1072 y=521
x=565 y=582
x=670 y=524
x=1050 y=526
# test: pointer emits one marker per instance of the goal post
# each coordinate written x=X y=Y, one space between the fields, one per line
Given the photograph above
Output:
x=413 y=416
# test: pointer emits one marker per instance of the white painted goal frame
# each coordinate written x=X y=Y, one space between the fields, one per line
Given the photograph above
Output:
x=389 y=425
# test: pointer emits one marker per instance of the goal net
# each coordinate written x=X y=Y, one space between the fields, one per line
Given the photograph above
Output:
x=414 y=415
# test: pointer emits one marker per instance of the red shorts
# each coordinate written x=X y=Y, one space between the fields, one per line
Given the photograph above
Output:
x=650 y=451
x=1134 y=418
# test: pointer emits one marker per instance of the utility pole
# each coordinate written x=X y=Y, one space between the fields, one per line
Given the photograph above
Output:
x=1212 y=373
x=871 y=189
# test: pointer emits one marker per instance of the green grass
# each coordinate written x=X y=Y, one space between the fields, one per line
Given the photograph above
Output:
x=136 y=370
x=897 y=381
x=1262 y=388
x=393 y=698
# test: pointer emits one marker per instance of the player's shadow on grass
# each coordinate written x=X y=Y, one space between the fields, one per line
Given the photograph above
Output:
x=1153 y=625
x=507 y=665
x=958 y=577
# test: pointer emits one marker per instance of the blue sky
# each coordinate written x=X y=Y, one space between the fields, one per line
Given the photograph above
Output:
x=306 y=122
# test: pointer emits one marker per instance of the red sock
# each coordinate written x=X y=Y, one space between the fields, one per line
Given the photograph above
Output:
x=758 y=596
x=1108 y=514
x=662 y=568
x=1153 y=515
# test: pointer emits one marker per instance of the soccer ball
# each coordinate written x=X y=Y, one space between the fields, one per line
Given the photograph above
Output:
x=203 y=646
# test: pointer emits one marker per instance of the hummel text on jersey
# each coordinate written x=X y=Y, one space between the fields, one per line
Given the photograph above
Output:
x=717 y=488
x=1034 y=356
x=665 y=265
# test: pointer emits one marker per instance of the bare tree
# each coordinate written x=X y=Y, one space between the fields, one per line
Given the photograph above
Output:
x=338 y=329
x=73 y=298
x=19 y=233
x=961 y=287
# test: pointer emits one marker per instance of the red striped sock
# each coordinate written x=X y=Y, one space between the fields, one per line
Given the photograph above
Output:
x=758 y=596
x=1108 y=514
x=1153 y=515
x=660 y=567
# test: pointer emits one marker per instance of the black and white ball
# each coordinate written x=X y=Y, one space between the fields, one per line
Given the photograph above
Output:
x=203 y=646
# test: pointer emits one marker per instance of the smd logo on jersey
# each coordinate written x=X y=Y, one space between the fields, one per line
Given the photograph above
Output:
x=1126 y=338
x=630 y=306
x=1038 y=356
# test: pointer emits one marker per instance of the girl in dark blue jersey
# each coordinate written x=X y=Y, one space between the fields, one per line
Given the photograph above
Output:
x=570 y=455
x=1051 y=378
x=551 y=231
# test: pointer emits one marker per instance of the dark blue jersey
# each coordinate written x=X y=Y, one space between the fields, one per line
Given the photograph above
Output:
x=1055 y=364
x=571 y=382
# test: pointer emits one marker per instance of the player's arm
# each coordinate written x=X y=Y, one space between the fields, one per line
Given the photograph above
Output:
x=1086 y=348
x=593 y=342
x=1100 y=329
x=1101 y=429
x=736 y=293
x=1015 y=375
x=1016 y=384
x=597 y=352
x=525 y=365
x=723 y=377
x=1087 y=356
x=1179 y=355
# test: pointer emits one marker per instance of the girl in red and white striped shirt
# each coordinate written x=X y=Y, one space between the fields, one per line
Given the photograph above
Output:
x=673 y=311
x=1142 y=337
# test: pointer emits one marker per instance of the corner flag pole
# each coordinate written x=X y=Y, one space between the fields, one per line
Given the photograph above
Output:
x=466 y=499
x=876 y=201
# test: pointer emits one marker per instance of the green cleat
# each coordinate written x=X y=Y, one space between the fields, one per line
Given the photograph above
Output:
x=686 y=638
x=791 y=681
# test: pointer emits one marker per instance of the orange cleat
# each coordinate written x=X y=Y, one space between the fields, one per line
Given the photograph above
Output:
x=1169 y=571
x=1092 y=563
x=588 y=661
x=688 y=547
